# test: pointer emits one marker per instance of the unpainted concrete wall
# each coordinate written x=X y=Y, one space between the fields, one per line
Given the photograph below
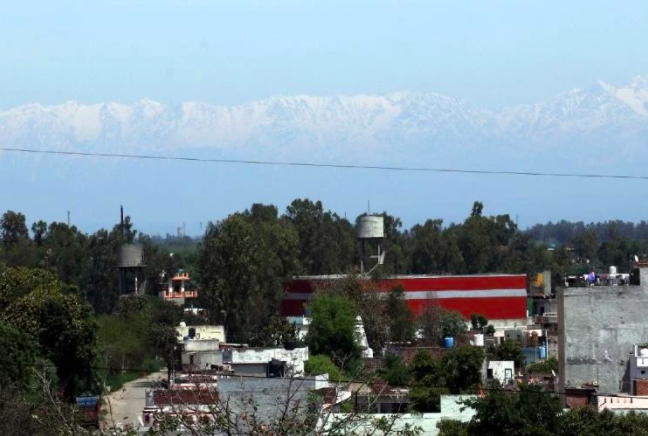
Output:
x=598 y=328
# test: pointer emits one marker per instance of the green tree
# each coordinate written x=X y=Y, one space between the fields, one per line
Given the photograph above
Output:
x=63 y=327
x=507 y=350
x=13 y=228
x=277 y=331
x=543 y=367
x=241 y=268
x=164 y=340
x=322 y=364
x=401 y=322
x=428 y=383
x=462 y=369
x=17 y=360
x=332 y=330
x=530 y=411
x=326 y=241
x=394 y=371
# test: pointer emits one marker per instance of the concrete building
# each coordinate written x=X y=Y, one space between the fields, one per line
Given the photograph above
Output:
x=501 y=370
x=201 y=353
x=451 y=408
x=177 y=289
x=599 y=327
x=622 y=403
x=255 y=360
x=502 y=298
x=216 y=332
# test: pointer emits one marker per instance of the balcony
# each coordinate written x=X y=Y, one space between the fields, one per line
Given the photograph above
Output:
x=547 y=318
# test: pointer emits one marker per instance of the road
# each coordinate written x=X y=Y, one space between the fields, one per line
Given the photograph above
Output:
x=125 y=405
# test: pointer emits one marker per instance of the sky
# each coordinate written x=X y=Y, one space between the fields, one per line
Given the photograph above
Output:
x=491 y=53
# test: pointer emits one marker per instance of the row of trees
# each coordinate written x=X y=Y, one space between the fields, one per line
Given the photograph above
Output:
x=86 y=261
x=530 y=411
x=244 y=259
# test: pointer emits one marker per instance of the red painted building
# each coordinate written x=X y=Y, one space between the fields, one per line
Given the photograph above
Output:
x=500 y=297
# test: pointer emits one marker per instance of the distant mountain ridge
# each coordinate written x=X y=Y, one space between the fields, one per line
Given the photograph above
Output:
x=601 y=118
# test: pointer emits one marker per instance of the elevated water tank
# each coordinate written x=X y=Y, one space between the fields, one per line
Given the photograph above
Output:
x=448 y=342
x=130 y=256
x=613 y=270
x=371 y=227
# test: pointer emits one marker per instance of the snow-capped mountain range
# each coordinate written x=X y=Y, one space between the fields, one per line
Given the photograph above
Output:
x=599 y=119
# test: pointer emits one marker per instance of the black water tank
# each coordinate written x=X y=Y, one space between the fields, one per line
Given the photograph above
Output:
x=290 y=344
x=192 y=332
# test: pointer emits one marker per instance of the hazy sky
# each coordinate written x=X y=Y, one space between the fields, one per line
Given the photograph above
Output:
x=491 y=53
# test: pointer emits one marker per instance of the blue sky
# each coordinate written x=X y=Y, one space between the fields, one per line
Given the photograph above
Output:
x=490 y=53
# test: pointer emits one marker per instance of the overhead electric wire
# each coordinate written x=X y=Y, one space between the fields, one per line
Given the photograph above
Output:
x=324 y=165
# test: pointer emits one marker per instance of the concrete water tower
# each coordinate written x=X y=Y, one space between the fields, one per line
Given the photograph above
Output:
x=130 y=263
x=371 y=228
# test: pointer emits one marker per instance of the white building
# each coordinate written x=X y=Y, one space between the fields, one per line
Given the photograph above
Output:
x=201 y=332
x=501 y=370
x=255 y=360
x=451 y=408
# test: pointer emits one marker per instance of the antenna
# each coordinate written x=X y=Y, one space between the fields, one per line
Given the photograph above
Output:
x=68 y=213
x=368 y=207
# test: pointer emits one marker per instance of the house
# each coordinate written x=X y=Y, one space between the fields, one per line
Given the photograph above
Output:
x=257 y=361
x=178 y=288
x=502 y=371
x=451 y=409
x=245 y=399
x=599 y=329
x=216 y=332
x=622 y=403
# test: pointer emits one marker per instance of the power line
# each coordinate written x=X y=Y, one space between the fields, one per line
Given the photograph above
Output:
x=325 y=165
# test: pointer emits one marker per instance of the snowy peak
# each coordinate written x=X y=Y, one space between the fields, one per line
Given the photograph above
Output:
x=424 y=122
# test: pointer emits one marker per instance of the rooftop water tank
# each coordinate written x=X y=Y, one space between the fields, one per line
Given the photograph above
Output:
x=643 y=352
x=479 y=340
x=371 y=227
x=448 y=342
x=613 y=270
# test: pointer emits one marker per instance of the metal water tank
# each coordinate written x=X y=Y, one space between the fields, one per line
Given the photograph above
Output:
x=613 y=270
x=130 y=255
x=371 y=227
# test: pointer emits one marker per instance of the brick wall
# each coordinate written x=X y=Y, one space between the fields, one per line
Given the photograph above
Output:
x=184 y=397
x=640 y=387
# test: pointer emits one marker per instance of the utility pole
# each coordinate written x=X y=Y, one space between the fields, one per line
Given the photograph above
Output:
x=68 y=213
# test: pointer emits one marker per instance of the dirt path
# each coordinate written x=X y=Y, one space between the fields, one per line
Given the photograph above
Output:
x=125 y=405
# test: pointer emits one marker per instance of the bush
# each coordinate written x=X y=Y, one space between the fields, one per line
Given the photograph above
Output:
x=545 y=367
x=322 y=364
x=395 y=371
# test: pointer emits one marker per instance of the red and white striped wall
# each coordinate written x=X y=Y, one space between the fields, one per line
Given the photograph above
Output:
x=498 y=296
